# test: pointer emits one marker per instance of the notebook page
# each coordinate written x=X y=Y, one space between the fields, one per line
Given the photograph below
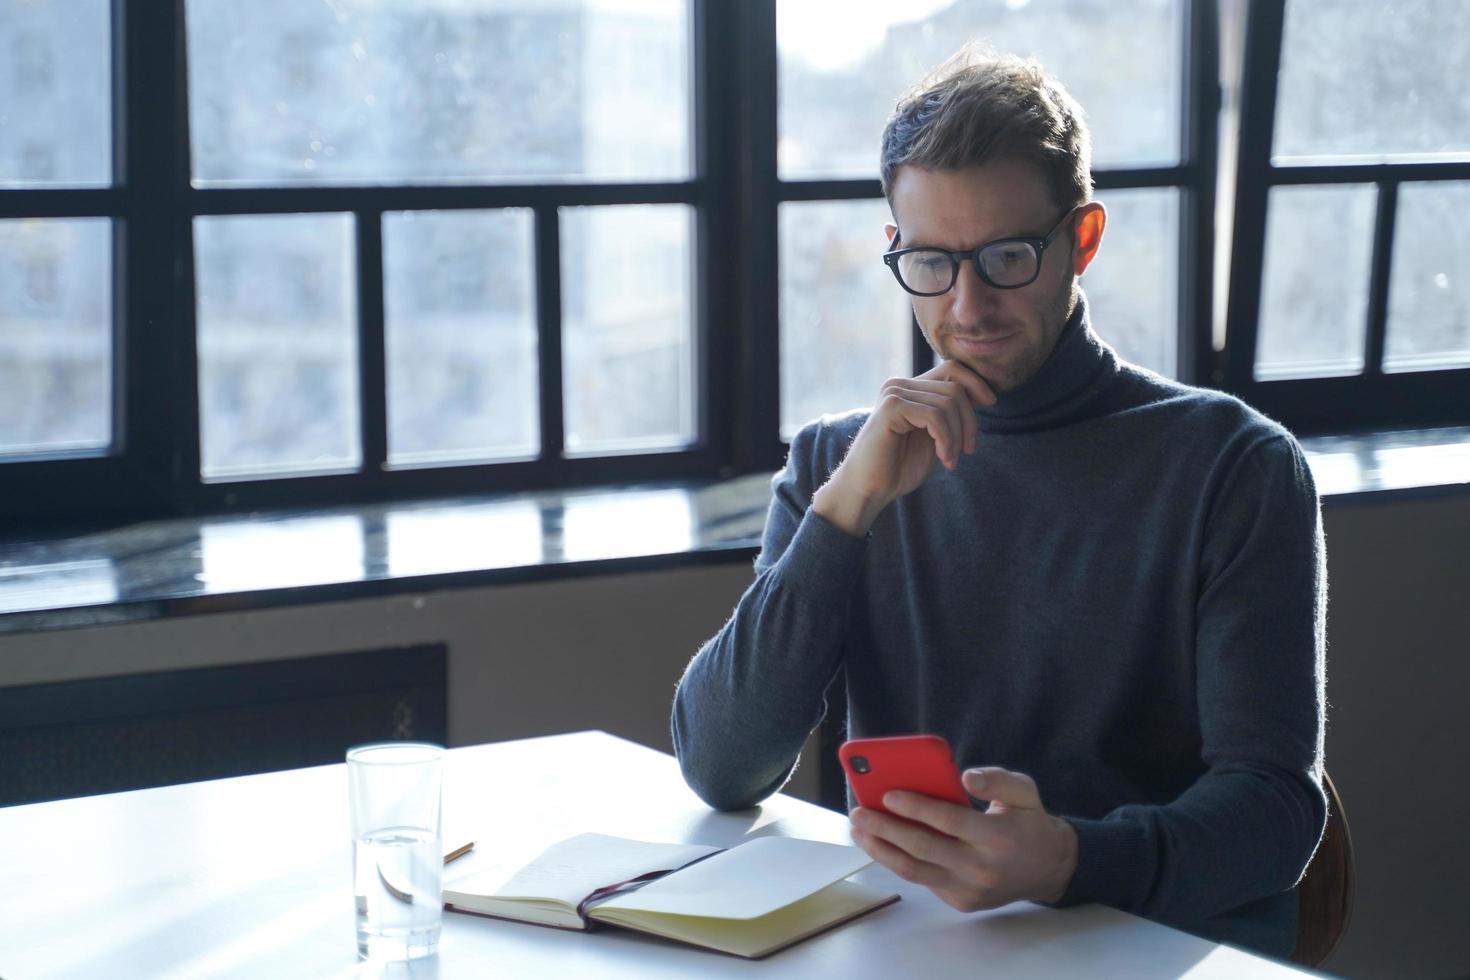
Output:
x=568 y=871
x=764 y=934
x=749 y=880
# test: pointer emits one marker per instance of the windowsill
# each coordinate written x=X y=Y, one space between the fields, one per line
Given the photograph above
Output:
x=195 y=566
x=1356 y=468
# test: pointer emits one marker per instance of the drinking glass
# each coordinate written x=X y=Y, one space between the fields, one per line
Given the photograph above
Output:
x=397 y=854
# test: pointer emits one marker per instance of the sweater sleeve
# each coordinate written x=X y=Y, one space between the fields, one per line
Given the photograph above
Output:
x=752 y=694
x=1246 y=829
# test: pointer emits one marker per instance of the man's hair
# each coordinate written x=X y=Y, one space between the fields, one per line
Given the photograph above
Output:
x=978 y=107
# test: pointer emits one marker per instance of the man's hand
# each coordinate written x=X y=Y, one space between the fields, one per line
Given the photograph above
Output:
x=916 y=421
x=1013 y=851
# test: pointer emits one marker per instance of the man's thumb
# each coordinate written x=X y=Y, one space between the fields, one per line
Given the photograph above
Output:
x=997 y=785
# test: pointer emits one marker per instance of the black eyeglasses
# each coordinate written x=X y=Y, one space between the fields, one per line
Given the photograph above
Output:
x=1008 y=263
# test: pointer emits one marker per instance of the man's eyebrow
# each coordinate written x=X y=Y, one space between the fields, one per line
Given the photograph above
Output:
x=900 y=240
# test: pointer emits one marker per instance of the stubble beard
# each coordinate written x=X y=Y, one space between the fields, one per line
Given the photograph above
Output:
x=1008 y=377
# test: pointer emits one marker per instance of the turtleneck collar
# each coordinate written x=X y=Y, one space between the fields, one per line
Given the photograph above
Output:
x=1063 y=389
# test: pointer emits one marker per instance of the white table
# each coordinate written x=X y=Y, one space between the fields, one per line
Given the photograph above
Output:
x=251 y=877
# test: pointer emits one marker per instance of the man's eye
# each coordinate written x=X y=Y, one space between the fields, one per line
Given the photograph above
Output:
x=1012 y=256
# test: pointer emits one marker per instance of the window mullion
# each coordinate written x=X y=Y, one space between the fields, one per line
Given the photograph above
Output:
x=1377 y=321
x=1199 y=146
x=761 y=357
x=156 y=408
x=920 y=353
x=549 y=333
x=372 y=377
x=720 y=251
x=1264 y=27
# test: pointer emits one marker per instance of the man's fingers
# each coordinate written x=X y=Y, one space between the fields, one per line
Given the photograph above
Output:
x=902 y=863
x=954 y=397
x=975 y=386
x=947 y=818
x=955 y=407
x=916 y=840
x=911 y=415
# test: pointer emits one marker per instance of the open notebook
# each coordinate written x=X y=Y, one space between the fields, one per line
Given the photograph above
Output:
x=751 y=900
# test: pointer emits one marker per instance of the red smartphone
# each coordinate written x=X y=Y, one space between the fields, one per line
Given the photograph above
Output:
x=919 y=763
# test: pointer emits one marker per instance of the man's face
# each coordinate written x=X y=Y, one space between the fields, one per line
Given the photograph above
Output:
x=1003 y=335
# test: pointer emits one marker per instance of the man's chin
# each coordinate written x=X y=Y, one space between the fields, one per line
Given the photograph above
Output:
x=992 y=371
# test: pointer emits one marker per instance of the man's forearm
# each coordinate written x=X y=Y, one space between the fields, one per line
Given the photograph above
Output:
x=753 y=693
x=1239 y=834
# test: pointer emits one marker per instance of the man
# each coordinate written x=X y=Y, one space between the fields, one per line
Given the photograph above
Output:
x=1108 y=595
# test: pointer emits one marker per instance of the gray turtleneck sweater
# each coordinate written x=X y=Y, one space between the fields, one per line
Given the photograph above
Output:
x=1121 y=594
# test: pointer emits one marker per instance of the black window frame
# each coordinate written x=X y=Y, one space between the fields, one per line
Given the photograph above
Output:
x=1371 y=399
x=152 y=468
x=736 y=192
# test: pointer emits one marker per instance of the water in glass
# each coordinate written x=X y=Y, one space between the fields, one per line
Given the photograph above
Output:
x=397 y=881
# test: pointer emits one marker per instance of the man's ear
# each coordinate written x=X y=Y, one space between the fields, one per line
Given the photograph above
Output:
x=889 y=230
x=1090 y=220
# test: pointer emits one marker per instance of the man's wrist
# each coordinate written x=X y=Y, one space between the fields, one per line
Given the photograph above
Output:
x=1066 y=865
x=851 y=513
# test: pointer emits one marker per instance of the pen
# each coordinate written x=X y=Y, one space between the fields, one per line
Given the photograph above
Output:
x=405 y=896
x=459 y=852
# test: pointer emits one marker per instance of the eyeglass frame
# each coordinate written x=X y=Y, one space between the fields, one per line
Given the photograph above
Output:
x=956 y=256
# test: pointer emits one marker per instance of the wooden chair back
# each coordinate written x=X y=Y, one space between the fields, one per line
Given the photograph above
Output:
x=1325 y=895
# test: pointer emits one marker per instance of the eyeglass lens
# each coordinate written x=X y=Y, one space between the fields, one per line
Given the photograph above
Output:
x=1001 y=264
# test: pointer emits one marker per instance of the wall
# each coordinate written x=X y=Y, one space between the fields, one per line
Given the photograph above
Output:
x=606 y=652
x=1398 y=683
x=523 y=660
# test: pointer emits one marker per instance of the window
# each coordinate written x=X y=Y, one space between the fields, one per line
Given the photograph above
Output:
x=461 y=336
x=55 y=94
x=285 y=93
x=628 y=354
x=1429 y=280
x=351 y=251
x=56 y=236
x=472 y=100
x=1349 y=294
x=277 y=344
x=55 y=348
x=834 y=312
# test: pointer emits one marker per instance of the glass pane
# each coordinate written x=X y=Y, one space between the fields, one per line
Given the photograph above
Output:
x=277 y=344
x=476 y=90
x=55 y=93
x=55 y=335
x=1132 y=284
x=627 y=327
x=461 y=334
x=839 y=305
x=1314 y=302
x=843 y=64
x=1373 y=80
x=1429 y=288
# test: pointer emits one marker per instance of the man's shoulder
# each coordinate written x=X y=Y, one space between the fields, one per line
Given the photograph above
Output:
x=1205 y=413
x=816 y=450
x=823 y=441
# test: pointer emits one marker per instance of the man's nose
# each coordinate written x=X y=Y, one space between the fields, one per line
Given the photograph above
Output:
x=972 y=298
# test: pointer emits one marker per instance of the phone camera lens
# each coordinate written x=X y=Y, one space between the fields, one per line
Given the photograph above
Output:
x=860 y=764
